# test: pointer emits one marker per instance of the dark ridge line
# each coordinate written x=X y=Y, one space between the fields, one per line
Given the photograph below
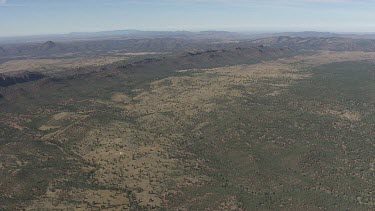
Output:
x=6 y=81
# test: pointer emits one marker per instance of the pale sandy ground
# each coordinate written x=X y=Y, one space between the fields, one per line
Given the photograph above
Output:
x=54 y=64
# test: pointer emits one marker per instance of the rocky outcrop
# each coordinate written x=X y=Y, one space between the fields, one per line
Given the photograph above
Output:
x=20 y=78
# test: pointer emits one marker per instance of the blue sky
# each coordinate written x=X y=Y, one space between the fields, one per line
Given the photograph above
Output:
x=30 y=17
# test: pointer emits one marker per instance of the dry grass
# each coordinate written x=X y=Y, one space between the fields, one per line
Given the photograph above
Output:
x=343 y=114
x=326 y=57
x=63 y=115
x=119 y=97
x=62 y=121
x=231 y=204
x=138 y=156
x=129 y=158
x=81 y=199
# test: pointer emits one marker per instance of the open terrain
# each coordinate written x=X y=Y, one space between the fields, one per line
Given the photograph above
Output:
x=270 y=124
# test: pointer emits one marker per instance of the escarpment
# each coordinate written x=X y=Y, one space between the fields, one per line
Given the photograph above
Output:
x=8 y=80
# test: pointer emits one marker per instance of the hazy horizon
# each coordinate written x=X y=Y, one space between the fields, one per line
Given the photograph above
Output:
x=42 y=17
x=255 y=32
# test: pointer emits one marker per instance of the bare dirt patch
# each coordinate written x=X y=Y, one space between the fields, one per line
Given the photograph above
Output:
x=47 y=127
x=343 y=114
x=62 y=115
x=120 y=97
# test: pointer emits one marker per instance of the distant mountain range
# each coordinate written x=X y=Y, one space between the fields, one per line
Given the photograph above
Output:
x=316 y=34
x=125 y=34
x=174 y=45
x=138 y=34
